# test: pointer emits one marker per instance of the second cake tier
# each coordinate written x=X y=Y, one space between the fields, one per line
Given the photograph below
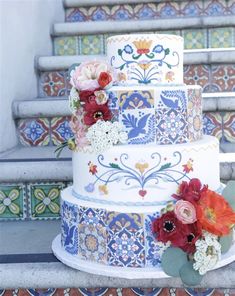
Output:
x=139 y=175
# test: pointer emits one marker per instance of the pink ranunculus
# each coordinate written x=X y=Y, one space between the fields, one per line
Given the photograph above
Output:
x=185 y=212
x=79 y=129
x=86 y=75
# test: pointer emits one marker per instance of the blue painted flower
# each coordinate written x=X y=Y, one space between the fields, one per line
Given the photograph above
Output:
x=158 y=48
x=128 y=49
x=33 y=130
x=90 y=187
x=65 y=131
x=99 y=15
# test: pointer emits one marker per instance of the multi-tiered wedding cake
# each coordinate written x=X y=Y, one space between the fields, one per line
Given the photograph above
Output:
x=140 y=163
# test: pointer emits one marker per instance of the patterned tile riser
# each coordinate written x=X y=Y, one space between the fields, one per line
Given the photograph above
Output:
x=30 y=201
x=96 y=44
x=119 y=291
x=151 y=10
x=212 y=78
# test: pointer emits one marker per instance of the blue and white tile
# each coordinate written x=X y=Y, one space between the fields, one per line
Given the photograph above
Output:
x=175 y=98
x=140 y=125
x=136 y=99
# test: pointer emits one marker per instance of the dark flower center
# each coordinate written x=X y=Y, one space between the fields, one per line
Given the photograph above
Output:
x=168 y=226
x=98 y=115
x=190 y=237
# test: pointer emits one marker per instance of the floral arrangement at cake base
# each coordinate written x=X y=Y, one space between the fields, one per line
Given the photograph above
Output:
x=92 y=120
x=199 y=228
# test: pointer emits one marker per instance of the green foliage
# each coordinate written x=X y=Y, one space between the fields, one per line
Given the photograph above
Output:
x=165 y=166
x=114 y=166
x=226 y=242
x=172 y=260
x=167 y=51
x=229 y=193
x=189 y=275
x=120 y=52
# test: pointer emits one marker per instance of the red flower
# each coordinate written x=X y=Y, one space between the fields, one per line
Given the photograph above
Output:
x=94 y=112
x=92 y=168
x=104 y=79
x=143 y=50
x=87 y=96
x=188 y=167
x=190 y=191
x=194 y=233
x=169 y=228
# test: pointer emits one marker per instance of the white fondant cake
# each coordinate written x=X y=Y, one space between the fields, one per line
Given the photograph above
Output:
x=111 y=217
x=146 y=58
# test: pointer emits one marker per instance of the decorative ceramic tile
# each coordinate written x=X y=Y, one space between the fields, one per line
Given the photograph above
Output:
x=192 y=8
x=215 y=7
x=169 y=9
x=198 y=74
x=212 y=124
x=66 y=45
x=223 y=78
x=171 y=126
x=130 y=100
x=231 y=7
x=140 y=125
x=122 y=12
x=95 y=217
x=45 y=200
x=125 y=240
x=171 y=32
x=229 y=126
x=69 y=230
x=76 y=15
x=12 y=201
x=34 y=132
x=92 y=44
x=98 y=13
x=60 y=130
x=96 y=291
x=195 y=39
x=175 y=99
x=145 y=11
x=154 y=248
x=52 y=84
x=221 y=37
x=194 y=114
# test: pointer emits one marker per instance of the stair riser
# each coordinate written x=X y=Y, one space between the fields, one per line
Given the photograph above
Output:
x=212 y=78
x=193 y=39
x=151 y=10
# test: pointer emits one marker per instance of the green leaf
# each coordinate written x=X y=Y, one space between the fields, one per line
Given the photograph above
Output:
x=167 y=51
x=122 y=66
x=229 y=193
x=226 y=242
x=119 y=52
x=189 y=275
x=115 y=166
x=135 y=57
x=172 y=260
x=165 y=166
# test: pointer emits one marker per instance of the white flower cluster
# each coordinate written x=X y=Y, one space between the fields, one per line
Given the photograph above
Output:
x=208 y=253
x=104 y=134
x=73 y=100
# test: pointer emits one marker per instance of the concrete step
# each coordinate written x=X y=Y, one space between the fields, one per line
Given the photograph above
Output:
x=81 y=3
x=195 y=56
x=124 y=27
x=25 y=164
x=27 y=261
x=53 y=107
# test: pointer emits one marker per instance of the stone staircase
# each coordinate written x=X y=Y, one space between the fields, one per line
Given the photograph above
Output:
x=208 y=28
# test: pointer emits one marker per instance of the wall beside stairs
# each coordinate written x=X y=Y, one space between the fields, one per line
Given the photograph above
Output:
x=24 y=33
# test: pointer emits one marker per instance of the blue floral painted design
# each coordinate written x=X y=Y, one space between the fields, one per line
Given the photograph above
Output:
x=99 y=15
x=64 y=130
x=174 y=99
x=158 y=48
x=128 y=49
x=33 y=130
x=90 y=187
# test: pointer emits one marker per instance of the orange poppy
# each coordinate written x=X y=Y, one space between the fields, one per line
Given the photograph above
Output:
x=214 y=213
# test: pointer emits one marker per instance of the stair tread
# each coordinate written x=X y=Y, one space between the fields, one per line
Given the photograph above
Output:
x=81 y=3
x=199 y=56
x=106 y=27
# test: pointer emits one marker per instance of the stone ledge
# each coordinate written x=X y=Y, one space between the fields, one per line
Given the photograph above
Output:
x=107 y=27
x=191 y=57
x=52 y=107
x=57 y=275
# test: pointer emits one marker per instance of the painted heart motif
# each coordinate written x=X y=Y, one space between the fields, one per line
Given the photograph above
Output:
x=142 y=193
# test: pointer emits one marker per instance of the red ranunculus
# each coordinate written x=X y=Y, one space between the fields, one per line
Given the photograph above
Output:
x=194 y=233
x=169 y=228
x=104 y=79
x=190 y=191
x=95 y=112
x=87 y=96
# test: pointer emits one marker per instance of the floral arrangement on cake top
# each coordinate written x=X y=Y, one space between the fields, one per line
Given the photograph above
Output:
x=92 y=120
x=199 y=228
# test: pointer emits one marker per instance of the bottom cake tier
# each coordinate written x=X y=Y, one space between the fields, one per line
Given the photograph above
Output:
x=100 y=240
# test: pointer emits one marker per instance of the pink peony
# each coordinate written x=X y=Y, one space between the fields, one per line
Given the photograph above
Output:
x=185 y=212
x=79 y=129
x=87 y=74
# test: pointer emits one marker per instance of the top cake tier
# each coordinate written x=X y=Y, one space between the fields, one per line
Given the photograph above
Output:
x=146 y=58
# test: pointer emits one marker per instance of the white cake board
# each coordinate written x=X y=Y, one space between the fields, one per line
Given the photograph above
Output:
x=121 y=272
